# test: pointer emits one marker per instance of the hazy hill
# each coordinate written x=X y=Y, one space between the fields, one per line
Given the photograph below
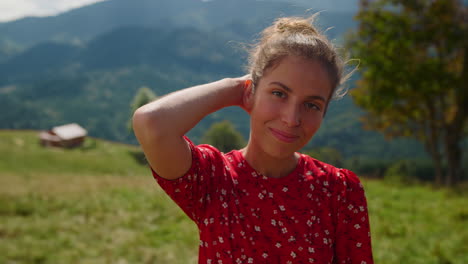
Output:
x=82 y=24
x=106 y=51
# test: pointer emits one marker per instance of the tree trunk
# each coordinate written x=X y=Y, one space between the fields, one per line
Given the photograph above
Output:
x=454 y=154
x=433 y=140
x=455 y=129
x=432 y=147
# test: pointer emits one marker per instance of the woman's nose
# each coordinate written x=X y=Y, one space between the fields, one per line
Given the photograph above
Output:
x=291 y=116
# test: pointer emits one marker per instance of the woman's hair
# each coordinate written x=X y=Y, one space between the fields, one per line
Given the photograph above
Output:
x=298 y=37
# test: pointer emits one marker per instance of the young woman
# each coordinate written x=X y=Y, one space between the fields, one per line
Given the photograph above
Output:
x=265 y=203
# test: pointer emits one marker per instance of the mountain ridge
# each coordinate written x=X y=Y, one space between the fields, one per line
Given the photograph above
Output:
x=92 y=82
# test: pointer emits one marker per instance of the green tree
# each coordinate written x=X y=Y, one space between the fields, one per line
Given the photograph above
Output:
x=143 y=96
x=414 y=65
x=224 y=136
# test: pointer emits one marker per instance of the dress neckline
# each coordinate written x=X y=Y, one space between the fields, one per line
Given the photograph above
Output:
x=254 y=173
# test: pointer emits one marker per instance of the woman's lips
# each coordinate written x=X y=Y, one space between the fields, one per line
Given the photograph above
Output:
x=283 y=136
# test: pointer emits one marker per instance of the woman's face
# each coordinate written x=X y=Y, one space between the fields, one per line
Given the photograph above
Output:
x=288 y=106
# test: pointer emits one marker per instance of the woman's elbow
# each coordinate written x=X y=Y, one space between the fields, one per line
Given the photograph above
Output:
x=144 y=123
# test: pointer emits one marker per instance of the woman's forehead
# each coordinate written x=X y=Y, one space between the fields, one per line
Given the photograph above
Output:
x=299 y=75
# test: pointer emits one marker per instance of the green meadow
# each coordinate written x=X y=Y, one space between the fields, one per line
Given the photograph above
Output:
x=99 y=204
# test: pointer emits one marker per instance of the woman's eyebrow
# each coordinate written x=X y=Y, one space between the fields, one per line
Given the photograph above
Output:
x=282 y=85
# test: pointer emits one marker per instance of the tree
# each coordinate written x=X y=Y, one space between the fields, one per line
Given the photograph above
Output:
x=224 y=136
x=143 y=96
x=413 y=56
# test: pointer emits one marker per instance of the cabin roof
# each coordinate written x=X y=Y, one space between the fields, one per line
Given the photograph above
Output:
x=69 y=131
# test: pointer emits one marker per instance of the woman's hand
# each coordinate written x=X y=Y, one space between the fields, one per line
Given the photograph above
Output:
x=242 y=84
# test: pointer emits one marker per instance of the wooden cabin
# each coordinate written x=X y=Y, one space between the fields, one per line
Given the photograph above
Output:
x=66 y=136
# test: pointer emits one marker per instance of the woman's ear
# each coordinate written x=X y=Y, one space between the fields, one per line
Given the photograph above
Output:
x=248 y=98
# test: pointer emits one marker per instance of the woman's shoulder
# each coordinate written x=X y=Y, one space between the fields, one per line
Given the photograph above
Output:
x=328 y=171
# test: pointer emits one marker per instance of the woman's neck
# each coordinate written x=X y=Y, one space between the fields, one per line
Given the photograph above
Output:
x=268 y=165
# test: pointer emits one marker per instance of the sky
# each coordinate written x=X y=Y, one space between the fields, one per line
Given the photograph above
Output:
x=14 y=9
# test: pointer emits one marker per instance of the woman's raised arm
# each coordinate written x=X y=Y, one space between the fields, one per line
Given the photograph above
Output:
x=160 y=125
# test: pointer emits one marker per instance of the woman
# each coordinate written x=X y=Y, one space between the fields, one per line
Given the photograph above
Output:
x=265 y=203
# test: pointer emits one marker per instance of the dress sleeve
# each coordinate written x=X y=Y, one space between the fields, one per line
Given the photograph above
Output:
x=192 y=191
x=352 y=233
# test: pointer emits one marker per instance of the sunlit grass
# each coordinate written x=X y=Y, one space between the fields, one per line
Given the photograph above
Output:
x=417 y=224
x=92 y=219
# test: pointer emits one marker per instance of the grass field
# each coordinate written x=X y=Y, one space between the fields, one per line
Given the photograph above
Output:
x=99 y=204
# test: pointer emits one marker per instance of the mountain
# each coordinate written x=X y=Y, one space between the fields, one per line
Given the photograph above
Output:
x=328 y=5
x=82 y=24
x=86 y=65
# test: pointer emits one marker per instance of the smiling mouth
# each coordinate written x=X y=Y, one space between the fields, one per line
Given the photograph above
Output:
x=283 y=136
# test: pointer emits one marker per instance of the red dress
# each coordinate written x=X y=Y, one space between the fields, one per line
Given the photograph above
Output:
x=317 y=214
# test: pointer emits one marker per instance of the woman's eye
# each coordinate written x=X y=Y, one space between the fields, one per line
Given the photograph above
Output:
x=278 y=94
x=312 y=106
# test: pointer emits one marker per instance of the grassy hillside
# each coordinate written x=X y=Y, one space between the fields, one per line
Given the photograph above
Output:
x=98 y=204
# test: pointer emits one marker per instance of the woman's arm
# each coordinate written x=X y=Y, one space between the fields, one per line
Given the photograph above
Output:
x=160 y=125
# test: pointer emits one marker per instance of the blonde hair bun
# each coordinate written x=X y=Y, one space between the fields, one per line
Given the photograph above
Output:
x=293 y=25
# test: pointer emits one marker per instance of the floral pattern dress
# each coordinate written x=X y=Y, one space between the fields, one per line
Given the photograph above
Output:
x=316 y=214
